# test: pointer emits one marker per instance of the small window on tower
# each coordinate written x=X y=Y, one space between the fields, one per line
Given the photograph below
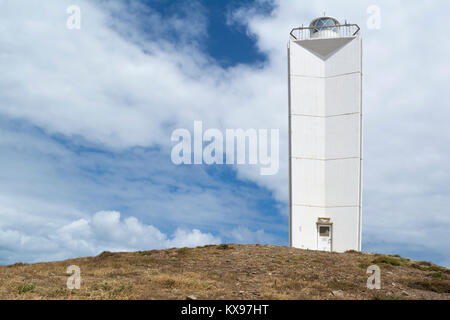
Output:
x=324 y=231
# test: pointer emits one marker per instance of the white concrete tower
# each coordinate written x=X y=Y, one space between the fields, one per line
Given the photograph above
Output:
x=325 y=126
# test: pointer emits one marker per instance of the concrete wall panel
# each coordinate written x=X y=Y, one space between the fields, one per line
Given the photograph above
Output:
x=308 y=182
x=344 y=61
x=305 y=63
x=342 y=182
x=342 y=94
x=308 y=137
x=308 y=96
x=342 y=137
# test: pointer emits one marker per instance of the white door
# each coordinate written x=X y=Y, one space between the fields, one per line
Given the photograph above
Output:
x=324 y=238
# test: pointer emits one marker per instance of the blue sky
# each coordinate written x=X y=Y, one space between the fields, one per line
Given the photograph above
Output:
x=86 y=117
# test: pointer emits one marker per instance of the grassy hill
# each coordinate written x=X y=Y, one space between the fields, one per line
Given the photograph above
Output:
x=227 y=272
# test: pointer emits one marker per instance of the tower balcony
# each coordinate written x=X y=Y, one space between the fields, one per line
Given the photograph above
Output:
x=325 y=28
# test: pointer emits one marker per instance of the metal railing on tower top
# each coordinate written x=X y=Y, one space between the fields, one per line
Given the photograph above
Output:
x=316 y=32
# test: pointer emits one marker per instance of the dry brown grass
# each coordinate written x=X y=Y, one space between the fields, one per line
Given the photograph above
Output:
x=227 y=272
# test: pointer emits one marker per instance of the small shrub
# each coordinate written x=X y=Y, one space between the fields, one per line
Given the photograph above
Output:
x=388 y=260
x=25 y=287
x=18 y=264
x=183 y=251
x=145 y=253
x=353 y=252
x=169 y=283
x=437 y=275
x=428 y=266
x=364 y=263
x=105 y=254
x=419 y=267
x=224 y=247
x=439 y=286
x=117 y=291
x=104 y=286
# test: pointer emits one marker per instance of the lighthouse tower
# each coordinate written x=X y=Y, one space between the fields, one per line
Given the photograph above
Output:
x=325 y=124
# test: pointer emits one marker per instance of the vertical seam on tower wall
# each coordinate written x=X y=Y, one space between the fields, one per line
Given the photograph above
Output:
x=360 y=145
x=290 y=145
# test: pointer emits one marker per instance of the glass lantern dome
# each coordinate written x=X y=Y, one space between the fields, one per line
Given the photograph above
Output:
x=324 y=26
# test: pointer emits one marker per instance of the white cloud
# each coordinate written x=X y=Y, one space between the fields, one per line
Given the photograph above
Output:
x=49 y=184
x=104 y=231
x=129 y=91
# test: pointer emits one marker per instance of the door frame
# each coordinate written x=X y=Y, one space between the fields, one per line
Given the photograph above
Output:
x=324 y=224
